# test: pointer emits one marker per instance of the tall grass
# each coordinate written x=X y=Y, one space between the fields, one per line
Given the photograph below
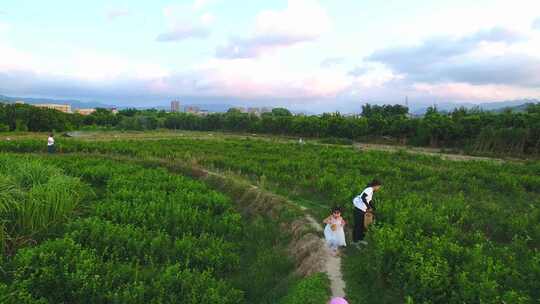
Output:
x=10 y=195
x=34 y=198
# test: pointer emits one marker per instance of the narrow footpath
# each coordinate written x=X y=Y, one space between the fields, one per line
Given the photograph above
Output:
x=332 y=264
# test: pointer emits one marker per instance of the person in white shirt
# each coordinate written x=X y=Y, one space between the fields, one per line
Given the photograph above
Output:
x=362 y=203
x=50 y=143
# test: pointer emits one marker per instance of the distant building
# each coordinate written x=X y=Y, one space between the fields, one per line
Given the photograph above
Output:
x=193 y=109
x=85 y=111
x=255 y=111
x=19 y=102
x=114 y=110
x=59 y=107
x=175 y=106
x=266 y=109
x=240 y=109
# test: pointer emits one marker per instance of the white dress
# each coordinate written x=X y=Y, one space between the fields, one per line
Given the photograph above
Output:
x=335 y=238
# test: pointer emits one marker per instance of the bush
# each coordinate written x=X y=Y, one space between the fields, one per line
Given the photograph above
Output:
x=310 y=290
x=151 y=237
x=58 y=271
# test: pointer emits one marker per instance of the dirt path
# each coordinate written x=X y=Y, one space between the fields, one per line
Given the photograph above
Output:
x=426 y=151
x=332 y=264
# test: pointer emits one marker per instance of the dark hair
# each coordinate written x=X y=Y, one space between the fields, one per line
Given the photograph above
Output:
x=374 y=183
x=336 y=209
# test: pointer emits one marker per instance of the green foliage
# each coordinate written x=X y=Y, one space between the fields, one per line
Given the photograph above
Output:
x=447 y=232
x=370 y=111
x=23 y=117
x=148 y=237
x=281 y=112
x=471 y=130
x=128 y=243
x=62 y=271
x=21 y=125
x=58 y=271
x=310 y=290
x=35 y=198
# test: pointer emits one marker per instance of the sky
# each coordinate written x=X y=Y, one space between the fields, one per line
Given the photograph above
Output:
x=314 y=55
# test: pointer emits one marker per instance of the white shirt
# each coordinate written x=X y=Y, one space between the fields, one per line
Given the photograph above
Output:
x=50 y=141
x=357 y=201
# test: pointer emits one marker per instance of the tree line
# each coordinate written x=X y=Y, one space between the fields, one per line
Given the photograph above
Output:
x=471 y=129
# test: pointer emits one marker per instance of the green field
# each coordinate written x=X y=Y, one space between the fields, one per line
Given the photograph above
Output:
x=92 y=230
x=446 y=232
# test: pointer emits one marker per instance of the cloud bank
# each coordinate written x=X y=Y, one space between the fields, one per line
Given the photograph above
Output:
x=470 y=59
x=302 y=21
x=491 y=64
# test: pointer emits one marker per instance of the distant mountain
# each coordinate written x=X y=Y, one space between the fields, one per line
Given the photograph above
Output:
x=515 y=105
x=519 y=108
x=75 y=104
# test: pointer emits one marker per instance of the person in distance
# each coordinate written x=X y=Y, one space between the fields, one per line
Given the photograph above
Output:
x=50 y=144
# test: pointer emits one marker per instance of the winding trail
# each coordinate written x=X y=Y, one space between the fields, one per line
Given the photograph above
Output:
x=429 y=152
x=332 y=264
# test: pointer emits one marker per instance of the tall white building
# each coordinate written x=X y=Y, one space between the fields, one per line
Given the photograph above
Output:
x=175 y=106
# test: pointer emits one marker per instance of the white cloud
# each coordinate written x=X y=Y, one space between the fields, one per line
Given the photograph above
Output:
x=185 y=25
x=496 y=56
x=198 y=4
x=468 y=92
x=92 y=74
x=4 y=28
x=304 y=19
x=116 y=13
x=301 y=21
x=331 y=62
x=182 y=32
x=95 y=66
x=207 y=19
x=11 y=59
x=536 y=24
x=81 y=64
x=274 y=79
x=201 y=4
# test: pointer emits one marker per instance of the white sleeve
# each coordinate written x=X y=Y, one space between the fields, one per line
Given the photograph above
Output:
x=369 y=192
x=358 y=203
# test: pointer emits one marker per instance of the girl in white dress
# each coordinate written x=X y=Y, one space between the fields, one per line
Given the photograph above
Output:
x=334 y=232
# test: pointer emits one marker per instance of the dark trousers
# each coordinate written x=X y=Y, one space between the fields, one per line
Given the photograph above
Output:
x=51 y=149
x=358 y=230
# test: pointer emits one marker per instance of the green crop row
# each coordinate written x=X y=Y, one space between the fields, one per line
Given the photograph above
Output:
x=140 y=236
x=446 y=232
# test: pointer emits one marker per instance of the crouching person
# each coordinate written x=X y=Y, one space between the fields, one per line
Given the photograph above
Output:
x=363 y=211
